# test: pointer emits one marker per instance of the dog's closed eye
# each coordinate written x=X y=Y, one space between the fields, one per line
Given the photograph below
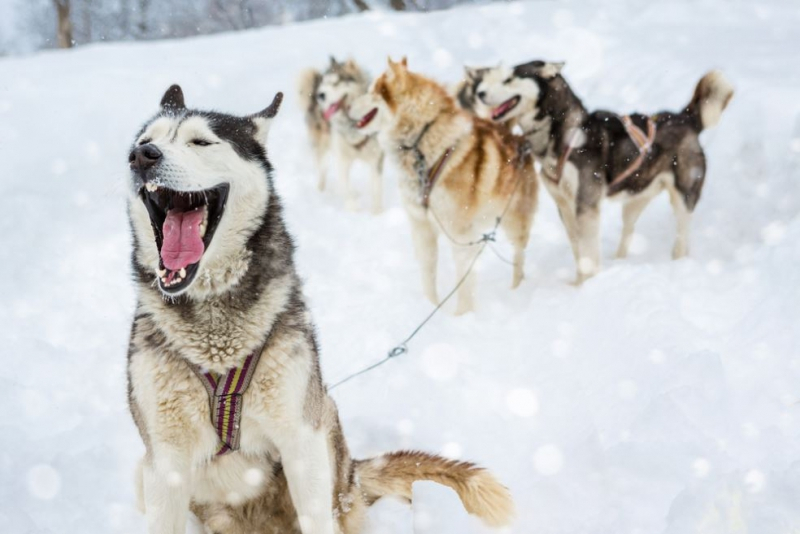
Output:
x=201 y=142
x=144 y=141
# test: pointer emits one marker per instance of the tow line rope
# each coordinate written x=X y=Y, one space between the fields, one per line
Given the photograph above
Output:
x=402 y=347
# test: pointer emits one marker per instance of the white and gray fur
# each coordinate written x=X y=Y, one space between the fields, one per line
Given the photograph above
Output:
x=552 y=116
x=340 y=84
x=293 y=473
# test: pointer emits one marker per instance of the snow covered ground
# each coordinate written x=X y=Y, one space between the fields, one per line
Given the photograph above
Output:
x=660 y=397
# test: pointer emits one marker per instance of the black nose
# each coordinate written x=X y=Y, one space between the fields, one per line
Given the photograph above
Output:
x=482 y=95
x=321 y=96
x=143 y=157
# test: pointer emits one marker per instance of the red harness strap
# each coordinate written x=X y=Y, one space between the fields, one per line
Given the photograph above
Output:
x=433 y=174
x=225 y=393
x=643 y=142
x=562 y=160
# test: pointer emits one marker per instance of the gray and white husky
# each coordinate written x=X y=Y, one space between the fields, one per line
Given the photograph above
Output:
x=326 y=97
x=219 y=302
x=589 y=156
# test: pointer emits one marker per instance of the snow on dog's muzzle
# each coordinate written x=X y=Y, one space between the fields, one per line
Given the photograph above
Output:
x=183 y=223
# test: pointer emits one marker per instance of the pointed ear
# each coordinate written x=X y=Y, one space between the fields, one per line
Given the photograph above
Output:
x=173 y=99
x=404 y=62
x=263 y=119
x=542 y=69
x=474 y=73
x=334 y=64
x=550 y=70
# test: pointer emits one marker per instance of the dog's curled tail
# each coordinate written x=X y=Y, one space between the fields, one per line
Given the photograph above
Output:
x=711 y=97
x=394 y=473
x=307 y=84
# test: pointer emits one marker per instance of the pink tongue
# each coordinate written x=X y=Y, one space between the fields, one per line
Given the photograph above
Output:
x=331 y=110
x=499 y=110
x=182 y=242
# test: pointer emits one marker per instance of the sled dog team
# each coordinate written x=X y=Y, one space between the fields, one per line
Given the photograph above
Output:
x=224 y=378
x=463 y=156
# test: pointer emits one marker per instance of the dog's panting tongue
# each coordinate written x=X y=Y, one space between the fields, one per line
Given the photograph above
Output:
x=183 y=244
x=502 y=108
x=333 y=108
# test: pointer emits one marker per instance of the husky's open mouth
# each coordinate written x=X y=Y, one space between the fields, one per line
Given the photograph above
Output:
x=366 y=119
x=333 y=108
x=184 y=223
x=502 y=110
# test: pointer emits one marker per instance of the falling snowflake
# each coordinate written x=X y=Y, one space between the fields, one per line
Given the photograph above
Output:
x=548 y=460
x=701 y=467
x=522 y=402
x=755 y=481
x=43 y=482
x=452 y=450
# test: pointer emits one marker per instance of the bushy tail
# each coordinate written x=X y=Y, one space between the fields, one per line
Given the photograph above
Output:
x=307 y=84
x=394 y=473
x=711 y=96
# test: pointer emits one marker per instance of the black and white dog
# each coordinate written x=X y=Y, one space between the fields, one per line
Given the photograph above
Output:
x=587 y=157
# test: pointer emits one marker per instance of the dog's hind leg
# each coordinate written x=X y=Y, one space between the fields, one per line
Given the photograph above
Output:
x=427 y=253
x=463 y=257
x=588 y=226
x=631 y=211
x=683 y=217
x=517 y=227
x=566 y=211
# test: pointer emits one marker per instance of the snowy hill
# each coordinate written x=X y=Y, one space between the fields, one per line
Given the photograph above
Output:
x=660 y=397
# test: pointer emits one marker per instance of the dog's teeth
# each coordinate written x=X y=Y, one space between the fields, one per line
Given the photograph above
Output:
x=182 y=273
x=162 y=273
x=202 y=229
x=151 y=187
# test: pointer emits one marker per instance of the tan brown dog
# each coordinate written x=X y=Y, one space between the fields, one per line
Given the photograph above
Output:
x=459 y=173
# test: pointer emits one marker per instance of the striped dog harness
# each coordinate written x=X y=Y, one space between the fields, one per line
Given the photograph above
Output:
x=643 y=141
x=426 y=184
x=225 y=393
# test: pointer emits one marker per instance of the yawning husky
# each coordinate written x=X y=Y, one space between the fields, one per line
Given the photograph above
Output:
x=327 y=97
x=220 y=307
x=459 y=173
x=589 y=156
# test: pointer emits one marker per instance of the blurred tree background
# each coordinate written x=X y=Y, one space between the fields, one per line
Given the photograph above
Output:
x=36 y=24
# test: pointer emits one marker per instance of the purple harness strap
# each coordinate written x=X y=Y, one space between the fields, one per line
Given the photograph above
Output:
x=225 y=393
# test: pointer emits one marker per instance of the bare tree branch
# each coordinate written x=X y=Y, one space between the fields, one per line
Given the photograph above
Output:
x=361 y=5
